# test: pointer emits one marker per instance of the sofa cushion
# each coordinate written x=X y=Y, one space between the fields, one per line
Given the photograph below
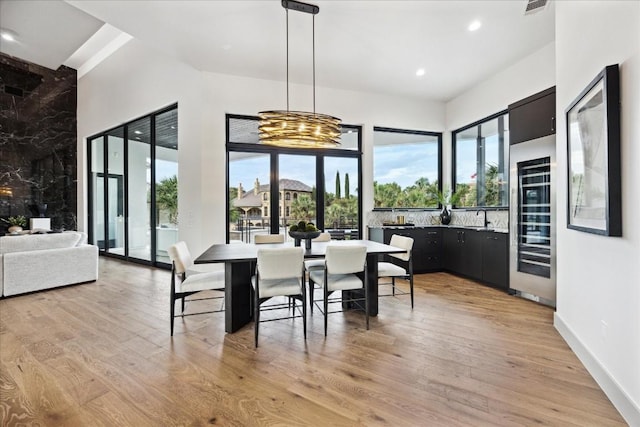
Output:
x=34 y=242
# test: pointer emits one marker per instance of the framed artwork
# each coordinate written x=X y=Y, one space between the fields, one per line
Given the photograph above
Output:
x=593 y=149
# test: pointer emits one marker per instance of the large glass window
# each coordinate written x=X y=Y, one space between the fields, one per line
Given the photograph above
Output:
x=406 y=168
x=133 y=209
x=342 y=196
x=305 y=180
x=480 y=162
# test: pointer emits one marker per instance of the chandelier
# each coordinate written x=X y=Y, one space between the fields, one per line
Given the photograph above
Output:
x=299 y=129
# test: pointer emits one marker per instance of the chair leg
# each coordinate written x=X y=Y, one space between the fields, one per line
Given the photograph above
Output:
x=311 y=286
x=172 y=312
x=366 y=303
x=304 y=311
x=411 y=287
x=393 y=286
x=256 y=320
x=326 y=309
x=183 y=305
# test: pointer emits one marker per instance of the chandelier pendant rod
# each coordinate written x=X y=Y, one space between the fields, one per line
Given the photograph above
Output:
x=287 y=19
x=313 y=49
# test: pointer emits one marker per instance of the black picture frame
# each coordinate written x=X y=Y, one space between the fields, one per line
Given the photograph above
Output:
x=594 y=197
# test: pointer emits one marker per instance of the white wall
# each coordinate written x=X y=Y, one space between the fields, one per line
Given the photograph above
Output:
x=115 y=92
x=599 y=277
x=134 y=81
x=526 y=77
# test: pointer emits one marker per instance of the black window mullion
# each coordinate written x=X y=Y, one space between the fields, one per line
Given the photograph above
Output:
x=480 y=169
x=105 y=189
x=153 y=210
x=274 y=185
x=502 y=199
x=125 y=169
x=320 y=190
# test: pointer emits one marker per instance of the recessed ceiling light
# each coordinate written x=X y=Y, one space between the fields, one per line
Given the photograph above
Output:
x=475 y=25
x=420 y=72
x=137 y=132
x=8 y=35
x=173 y=127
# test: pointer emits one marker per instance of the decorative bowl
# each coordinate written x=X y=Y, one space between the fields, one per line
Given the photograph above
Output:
x=304 y=234
x=307 y=236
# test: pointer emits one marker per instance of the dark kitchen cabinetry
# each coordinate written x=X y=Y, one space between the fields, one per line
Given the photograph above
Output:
x=477 y=254
x=533 y=117
x=495 y=253
x=427 y=245
x=463 y=252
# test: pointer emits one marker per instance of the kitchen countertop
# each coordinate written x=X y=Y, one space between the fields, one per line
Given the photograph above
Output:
x=466 y=227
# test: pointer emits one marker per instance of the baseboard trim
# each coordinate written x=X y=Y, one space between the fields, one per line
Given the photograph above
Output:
x=620 y=399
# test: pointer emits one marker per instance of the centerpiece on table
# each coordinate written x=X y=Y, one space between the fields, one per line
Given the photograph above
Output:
x=303 y=231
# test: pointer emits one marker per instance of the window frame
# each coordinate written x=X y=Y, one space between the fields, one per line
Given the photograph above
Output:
x=439 y=135
x=274 y=152
x=505 y=161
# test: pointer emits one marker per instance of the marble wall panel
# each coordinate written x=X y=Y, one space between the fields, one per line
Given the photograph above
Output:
x=38 y=137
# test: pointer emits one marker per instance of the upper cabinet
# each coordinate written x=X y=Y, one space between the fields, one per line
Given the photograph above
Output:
x=533 y=117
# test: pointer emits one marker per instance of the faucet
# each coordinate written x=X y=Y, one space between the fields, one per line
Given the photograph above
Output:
x=486 y=222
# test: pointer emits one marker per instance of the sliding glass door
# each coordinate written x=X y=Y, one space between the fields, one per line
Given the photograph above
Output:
x=133 y=189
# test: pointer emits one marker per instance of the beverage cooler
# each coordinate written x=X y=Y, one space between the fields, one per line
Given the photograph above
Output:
x=532 y=220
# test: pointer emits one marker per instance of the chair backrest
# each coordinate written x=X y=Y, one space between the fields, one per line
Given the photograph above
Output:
x=280 y=263
x=323 y=237
x=180 y=256
x=345 y=259
x=402 y=242
x=268 y=238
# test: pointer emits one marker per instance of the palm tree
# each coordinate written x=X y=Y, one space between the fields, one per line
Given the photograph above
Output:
x=167 y=197
x=303 y=208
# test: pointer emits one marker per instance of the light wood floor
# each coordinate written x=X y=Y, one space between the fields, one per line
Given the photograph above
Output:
x=100 y=354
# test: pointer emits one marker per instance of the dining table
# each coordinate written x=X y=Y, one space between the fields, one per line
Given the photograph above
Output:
x=240 y=259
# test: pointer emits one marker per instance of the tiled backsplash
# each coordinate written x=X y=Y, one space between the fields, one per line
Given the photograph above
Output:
x=465 y=218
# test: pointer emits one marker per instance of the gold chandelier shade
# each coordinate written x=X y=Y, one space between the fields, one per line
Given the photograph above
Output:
x=299 y=129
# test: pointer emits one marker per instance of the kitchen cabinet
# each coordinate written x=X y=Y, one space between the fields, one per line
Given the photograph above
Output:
x=533 y=117
x=463 y=252
x=427 y=245
x=481 y=255
x=495 y=264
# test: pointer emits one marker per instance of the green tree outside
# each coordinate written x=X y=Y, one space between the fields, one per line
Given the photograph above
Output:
x=167 y=198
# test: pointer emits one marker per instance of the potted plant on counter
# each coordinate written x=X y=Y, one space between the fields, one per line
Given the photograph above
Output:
x=16 y=223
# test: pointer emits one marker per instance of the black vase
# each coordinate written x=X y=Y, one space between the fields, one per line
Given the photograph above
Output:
x=445 y=216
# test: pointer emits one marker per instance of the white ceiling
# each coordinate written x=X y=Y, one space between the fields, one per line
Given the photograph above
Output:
x=374 y=46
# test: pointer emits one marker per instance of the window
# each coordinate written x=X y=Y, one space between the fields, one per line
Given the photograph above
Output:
x=133 y=188
x=480 y=154
x=407 y=168
x=294 y=184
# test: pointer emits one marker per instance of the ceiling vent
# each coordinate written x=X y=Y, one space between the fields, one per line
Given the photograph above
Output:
x=534 y=6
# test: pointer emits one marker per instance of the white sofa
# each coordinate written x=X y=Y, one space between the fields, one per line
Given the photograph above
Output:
x=41 y=261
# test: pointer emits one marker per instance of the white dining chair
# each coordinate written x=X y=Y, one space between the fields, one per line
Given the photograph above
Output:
x=190 y=281
x=315 y=264
x=260 y=239
x=279 y=272
x=402 y=268
x=342 y=265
